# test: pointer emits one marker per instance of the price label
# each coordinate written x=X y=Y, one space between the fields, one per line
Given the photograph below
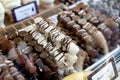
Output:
x=106 y=71
x=22 y=12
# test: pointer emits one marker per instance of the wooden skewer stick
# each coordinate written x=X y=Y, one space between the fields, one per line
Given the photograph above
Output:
x=23 y=25
x=71 y=1
x=53 y=10
x=30 y=22
x=4 y=30
x=30 y=16
x=14 y=28
x=65 y=7
x=60 y=10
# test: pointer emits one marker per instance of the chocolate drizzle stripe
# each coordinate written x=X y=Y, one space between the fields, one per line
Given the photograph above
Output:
x=57 y=35
x=52 y=48
x=52 y=30
x=57 y=54
x=67 y=46
x=51 y=36
x=61 y=57
x=34 y=34
x=42 y=22
x=39 y=23
x=42 y=40
x=54 y=51
x=46 y=27
x=42 y=26
x=32 y=31
x=47 y=45
x=54 y=36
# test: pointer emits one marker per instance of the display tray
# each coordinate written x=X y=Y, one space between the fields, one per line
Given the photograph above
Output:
x=115 y=54
x=52 y=12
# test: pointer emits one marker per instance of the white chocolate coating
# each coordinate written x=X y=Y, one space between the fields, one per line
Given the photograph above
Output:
x=58 y=39
x=55 y=53
x=70 y=59
x=29 y=28
x=55 y=49
x=44 y=43
x=49 y=29
x=58 y=58
x=38 y=19
x=3 y=65
x=73 y=49
x=35 y=34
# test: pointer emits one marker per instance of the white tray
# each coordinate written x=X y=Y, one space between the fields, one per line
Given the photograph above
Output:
x=115 y=53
